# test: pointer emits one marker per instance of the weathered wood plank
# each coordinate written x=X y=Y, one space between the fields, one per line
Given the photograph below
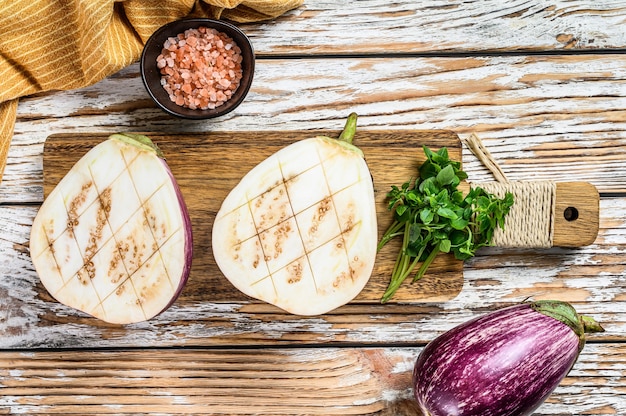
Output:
x=591 y=277
x=549 y=117
x=270 y=381
x=432 y=26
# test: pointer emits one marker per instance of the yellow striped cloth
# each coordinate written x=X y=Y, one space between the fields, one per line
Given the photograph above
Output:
x=65 y=44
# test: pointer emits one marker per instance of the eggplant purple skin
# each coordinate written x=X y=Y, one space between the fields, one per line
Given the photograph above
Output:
x=505 y=363
x=188 y=237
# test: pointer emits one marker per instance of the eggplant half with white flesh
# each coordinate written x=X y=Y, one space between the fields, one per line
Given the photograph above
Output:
x=505 y=363
x=113 y=239
x=299 y=230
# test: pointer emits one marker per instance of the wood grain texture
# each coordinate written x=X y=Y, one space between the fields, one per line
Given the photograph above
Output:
x=542 y=117
x=326 y=381
x=576 y=214
x=435 y=26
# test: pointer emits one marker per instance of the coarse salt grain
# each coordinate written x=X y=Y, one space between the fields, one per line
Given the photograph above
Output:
x=200 y=68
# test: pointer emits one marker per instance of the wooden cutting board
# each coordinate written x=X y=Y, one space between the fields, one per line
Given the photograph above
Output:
x=207 y=166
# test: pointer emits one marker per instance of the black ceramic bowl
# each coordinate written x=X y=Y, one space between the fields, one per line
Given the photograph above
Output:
x=152 y=76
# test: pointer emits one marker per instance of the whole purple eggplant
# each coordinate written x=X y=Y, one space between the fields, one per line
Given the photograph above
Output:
x=505 y=363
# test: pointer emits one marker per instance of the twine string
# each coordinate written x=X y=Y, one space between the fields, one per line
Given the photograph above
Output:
x=530 y=222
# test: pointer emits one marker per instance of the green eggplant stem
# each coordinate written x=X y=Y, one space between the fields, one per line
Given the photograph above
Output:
x=138 y=140
x=347 y=135
x=590 y=324
x=566 y=313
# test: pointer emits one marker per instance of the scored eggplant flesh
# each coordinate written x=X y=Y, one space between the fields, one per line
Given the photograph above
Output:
x=299 y=230
x=113 y=238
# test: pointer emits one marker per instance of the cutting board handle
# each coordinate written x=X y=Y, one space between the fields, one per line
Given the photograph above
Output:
x=547 y=214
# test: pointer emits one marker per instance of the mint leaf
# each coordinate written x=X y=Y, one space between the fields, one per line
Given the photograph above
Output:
x=446 y=176
x=433 y=216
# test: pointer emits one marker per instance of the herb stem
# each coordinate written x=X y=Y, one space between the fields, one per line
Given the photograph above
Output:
x=392 y=231
x=397 y=266
x=402 y=268
x=426 y=264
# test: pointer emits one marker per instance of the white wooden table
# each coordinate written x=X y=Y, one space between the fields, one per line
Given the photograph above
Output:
x=543 y=83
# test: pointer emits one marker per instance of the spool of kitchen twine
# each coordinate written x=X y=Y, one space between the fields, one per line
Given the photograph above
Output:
x=530 y=222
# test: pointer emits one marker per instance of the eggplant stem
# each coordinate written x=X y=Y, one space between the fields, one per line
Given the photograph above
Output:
x=591 y=325
x=565 y=312
x=138 y=140
x=347 y=135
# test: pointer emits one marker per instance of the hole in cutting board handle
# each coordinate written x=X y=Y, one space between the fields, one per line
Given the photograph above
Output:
x=570 y=214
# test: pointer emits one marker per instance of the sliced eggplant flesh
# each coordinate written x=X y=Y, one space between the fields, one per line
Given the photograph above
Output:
x=113 y=239
x=299 y=230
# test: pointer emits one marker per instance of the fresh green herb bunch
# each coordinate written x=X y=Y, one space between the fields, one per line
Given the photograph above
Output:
x=434 y=217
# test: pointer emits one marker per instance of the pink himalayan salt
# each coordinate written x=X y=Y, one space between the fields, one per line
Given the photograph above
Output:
x=200 y=68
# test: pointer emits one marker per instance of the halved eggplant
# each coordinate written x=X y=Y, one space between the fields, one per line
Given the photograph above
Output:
x=113 y=239
x=299 y=230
